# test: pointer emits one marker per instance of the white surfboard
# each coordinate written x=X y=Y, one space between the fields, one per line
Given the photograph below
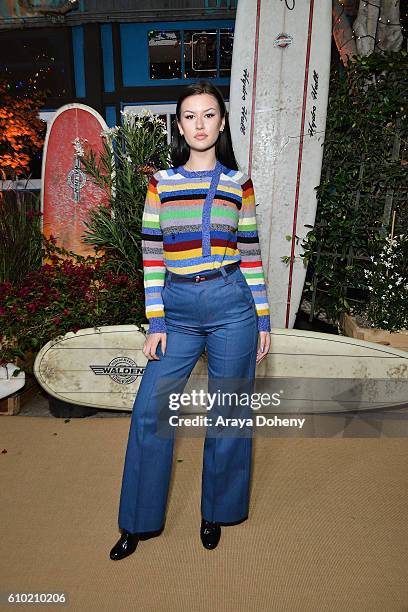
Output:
x=277 y=110
x=312 y=372
x=9 y=384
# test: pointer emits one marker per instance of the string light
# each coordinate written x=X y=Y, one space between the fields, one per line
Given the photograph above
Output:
x=367 y=35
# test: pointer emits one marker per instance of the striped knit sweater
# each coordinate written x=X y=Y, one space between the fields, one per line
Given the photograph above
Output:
x=196 y=221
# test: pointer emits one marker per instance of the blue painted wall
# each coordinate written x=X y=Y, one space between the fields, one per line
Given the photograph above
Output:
x=79 y=66
x=135 y=50
x=110 y=116
x=107 y=54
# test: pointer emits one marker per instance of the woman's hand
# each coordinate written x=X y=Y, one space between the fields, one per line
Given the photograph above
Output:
x=264 y=344
x=151 y=342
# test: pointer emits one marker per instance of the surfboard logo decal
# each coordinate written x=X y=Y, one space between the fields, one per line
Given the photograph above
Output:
x=283 y=40
x=122 y=370
x=314 y=87
x=254 y=79
x=76 y=179
x=244 y=110
x=290 y=5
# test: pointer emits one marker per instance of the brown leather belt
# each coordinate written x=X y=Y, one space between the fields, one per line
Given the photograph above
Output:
x=198 y=279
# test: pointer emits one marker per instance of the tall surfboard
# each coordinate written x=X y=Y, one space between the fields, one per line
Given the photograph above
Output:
x=277 y=110
x=67 y=193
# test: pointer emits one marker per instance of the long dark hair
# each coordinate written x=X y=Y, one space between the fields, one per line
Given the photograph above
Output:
x=180 y=150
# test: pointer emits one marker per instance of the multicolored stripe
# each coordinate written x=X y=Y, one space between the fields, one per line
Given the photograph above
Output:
x=200 y=221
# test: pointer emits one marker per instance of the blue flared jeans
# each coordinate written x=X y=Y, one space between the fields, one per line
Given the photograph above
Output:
x=218 y=315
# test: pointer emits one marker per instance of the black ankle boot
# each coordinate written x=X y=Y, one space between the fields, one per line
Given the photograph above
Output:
x=210 y=534
x=125 y=546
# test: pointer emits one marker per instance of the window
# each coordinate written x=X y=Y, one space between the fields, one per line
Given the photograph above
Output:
x=190 y=54
x=166 y=112
x=226 y=44
x=35 y=59
x=200 y=54
x=165 y=55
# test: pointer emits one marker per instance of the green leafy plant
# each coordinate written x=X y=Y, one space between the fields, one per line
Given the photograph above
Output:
x=364 y=178
x=132 y=152
x=387 y=281
x=20 y=234
x=69 y=293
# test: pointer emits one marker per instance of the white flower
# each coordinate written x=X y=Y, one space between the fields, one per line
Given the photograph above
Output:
x=147 y=113
x=110 y=133
x=162 y=124
x=79 y=146
x=129 y=117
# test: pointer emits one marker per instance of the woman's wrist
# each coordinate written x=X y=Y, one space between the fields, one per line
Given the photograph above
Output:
x=157 y=325
x=264 y=323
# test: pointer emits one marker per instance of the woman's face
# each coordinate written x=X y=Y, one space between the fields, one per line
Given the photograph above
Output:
x=200 y=114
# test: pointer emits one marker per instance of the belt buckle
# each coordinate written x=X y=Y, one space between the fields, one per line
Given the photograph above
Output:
x=198 y=278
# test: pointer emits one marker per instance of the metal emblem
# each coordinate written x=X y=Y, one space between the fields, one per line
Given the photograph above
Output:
x=76 y=179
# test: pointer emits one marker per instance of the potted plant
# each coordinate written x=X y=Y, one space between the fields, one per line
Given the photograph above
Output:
x=384 y=319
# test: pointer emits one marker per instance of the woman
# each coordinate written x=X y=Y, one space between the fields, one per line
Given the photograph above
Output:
x=204 y=289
